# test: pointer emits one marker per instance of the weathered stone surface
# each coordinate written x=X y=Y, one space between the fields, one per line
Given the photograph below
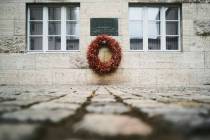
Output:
x=207 y=60
x=29 y=99
x=28 y=77
x=12 y=44
x=34 y=69
x=103 y=96
x=173 y=104
x=38 y=115
x=144 y=103
x=19 y=131
x=6 y=27
x=121 y=125
x=71 y=100
x=19 y=27
x=183 y=107
x=137 y=68
x=103 y=100
x=15 y=61
x=108 y=108
x=8 y=77
x=8 y=108
x=61 y=61
x=196 y=1
x=180 y=116
x=55 y=105
x=202 y=27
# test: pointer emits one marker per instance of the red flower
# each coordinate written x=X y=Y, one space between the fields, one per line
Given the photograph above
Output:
x=93 y=51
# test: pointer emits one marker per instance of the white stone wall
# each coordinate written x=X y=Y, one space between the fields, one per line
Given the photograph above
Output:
x=189 y=67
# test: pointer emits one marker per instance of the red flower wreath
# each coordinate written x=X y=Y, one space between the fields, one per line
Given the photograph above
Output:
x=93 y=51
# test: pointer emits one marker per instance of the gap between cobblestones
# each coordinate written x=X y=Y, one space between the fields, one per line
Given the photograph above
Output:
x=35 y=103
x=64 y=129
x=6 y=99
x=24 y=107
x=162 y=129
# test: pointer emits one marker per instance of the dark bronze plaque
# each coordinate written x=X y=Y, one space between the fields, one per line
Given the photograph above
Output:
x=107 y=26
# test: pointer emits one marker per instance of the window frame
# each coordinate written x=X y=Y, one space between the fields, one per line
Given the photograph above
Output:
x=45 y=25
x=162 y=26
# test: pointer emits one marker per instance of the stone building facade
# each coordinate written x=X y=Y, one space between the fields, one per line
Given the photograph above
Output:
x=187 y=66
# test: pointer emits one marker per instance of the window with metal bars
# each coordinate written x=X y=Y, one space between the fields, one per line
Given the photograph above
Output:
x=53 y=28
x=154 y=28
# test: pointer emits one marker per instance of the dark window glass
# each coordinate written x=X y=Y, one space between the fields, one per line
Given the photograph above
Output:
x=54 y=28
x=54 y=13
x=72 y=43
x=154 y=43
x=172 y=42
x=35 y=43
x=171 y=28
x=54 y=43
x=36 y=13
x=72 y=13
x=136 y=43
x=35 y=28
x=172 y=13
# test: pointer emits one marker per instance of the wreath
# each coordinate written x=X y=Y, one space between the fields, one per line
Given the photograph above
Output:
x=93 y=51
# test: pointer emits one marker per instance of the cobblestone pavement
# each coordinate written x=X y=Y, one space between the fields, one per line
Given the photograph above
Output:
x=104 y=112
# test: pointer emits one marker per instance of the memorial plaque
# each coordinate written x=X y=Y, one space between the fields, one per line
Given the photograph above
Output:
x=107 y=26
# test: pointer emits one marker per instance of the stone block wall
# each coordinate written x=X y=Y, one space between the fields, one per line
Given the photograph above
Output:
x=188 y=67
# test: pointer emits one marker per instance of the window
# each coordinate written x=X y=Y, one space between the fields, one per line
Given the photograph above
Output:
x=155 y=28
x=53 y=28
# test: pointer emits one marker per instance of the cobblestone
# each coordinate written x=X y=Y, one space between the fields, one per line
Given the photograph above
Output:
x=17 y=131
x=104 y=112
x=8 y=108
x=108 y=108
x=38 y=115
x=55 y=105
x=113 y=125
